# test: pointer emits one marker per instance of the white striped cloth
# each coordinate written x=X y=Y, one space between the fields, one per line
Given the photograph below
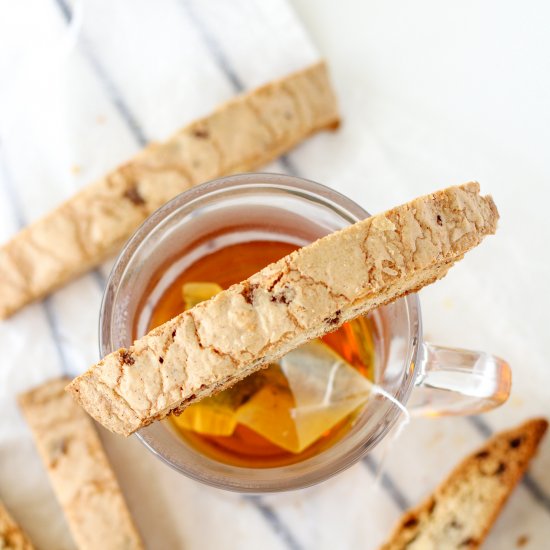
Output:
x=84 y=85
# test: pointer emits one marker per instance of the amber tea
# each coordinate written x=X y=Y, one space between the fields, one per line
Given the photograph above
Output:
x=289 y=411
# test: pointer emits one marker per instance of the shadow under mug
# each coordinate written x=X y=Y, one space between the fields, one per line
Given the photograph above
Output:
x=428 y=379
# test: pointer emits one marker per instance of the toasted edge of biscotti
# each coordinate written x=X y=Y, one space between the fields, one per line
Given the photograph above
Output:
x=461 y=511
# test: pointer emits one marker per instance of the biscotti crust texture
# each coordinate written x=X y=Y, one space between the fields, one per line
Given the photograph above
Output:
x=243 y=134
x=79 y=471
x=462 y=510
x=304 y=295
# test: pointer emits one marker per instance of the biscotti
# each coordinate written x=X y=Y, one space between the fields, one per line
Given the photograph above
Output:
x=245 y=133
x=79 y=471
x=304 y=295
x=12 y=536
x=464 y=507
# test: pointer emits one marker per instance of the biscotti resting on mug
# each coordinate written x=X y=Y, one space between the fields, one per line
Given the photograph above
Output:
x=304 y=295
x=80 y=473
x=12 y=536
x=462 y=510
x=243 y=134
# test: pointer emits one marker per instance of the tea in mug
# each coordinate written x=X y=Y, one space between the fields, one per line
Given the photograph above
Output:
x=294 y=408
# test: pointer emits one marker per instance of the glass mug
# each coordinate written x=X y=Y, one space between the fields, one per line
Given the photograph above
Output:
x=428 y=379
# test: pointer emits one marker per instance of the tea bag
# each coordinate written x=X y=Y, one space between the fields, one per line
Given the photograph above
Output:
x=268 y=412
x=291 y=404
x=194 y=293
x=217 y=415
x=318 y=390
x=325 y=388
x=207 y=419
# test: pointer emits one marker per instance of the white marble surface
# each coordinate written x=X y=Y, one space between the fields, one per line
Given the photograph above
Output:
x=431 y=93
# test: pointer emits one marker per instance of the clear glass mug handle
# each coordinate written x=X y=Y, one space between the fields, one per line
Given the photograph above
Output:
x=458 y=382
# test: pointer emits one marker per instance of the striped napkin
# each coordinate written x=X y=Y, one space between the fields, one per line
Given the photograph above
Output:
x=84 y=86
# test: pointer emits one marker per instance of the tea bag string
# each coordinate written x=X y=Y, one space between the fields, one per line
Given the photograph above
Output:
x=406 y=415
x=405 y=418
x=330 y=384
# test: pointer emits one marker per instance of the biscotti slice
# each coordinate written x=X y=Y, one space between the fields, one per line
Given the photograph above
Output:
x=462 y=510
x=304 y=295
x=241 y=135
x=79 y=471
x=12 y=536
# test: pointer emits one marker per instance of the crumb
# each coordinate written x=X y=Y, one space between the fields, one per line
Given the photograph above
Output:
x=522 y=540
x=448 y=303
x=101 y=119
x=436 y=438
x=459 y=440
x=76 y=169
x=516 y=401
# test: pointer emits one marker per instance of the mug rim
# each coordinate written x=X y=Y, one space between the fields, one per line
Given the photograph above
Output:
x=229 y=185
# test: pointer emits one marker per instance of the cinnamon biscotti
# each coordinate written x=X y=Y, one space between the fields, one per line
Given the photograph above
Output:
x=79 y=471
x=245 y=133
x=12 y=536
x=464 y=507
x=301 y=297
